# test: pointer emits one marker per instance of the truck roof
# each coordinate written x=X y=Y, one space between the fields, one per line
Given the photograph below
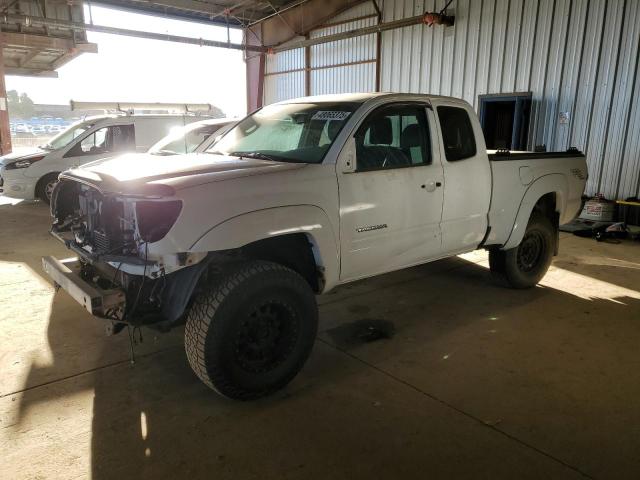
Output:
x=337 y=98
x=363 y=97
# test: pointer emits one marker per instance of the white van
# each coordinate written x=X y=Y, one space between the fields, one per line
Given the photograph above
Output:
x=32 y=175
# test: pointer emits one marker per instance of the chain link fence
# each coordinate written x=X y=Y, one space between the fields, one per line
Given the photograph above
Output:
x=23 y=143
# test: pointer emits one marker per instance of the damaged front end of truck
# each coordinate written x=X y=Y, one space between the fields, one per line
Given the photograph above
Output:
x=117 y=275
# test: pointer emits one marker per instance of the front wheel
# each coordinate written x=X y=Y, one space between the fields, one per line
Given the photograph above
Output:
x=44 y=189
x=251 y=331
x=525 y=265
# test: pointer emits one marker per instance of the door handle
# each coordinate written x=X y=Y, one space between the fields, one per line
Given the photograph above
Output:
x=430 y=186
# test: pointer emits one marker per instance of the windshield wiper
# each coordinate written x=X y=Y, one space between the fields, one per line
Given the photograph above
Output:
x=257 y=155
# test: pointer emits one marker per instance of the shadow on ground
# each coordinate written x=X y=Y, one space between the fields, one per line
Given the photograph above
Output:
x=156 y=420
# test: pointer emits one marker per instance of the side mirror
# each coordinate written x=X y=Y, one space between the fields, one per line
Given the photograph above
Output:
x=347 y=156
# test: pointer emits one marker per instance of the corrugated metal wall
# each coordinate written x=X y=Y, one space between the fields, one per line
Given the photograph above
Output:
x=284 y=75
x=353 y=60
x=575 y=56
x=336 y=67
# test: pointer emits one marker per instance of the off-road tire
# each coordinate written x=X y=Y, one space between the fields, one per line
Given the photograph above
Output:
x=525 y=265
x=218 y=340
x=42 y=187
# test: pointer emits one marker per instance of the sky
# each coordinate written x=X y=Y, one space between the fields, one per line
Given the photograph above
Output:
x=139 y=70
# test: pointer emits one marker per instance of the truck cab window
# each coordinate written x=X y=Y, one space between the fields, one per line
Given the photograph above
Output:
x=329 y=132
x=393 y=136
x=457 y=133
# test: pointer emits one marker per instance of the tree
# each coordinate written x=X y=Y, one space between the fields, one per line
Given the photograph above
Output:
x=12 y=95
x=20 y=105
x=28 y=110
x=13 y=103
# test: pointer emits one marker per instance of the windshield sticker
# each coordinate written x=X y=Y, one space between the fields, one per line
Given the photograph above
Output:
x=330 y=115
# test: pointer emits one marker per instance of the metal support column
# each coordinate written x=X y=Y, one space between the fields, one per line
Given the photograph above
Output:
x=5 y=133
x=378 y=44
x=255 y=66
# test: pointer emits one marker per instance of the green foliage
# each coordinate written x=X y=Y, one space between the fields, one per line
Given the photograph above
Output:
x=20 y=105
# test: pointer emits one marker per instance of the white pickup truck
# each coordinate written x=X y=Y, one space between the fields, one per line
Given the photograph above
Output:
x=297 y=198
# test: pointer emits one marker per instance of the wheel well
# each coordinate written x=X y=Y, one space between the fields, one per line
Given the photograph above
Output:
x=294 y=251
x=40 y=182
x=547 y=206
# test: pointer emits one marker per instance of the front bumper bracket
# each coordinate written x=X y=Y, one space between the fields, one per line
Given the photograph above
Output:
x=95 y=300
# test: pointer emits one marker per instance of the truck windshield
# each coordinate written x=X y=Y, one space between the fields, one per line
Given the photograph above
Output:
x=63 y=139
x=184 y=139
x=292 y=132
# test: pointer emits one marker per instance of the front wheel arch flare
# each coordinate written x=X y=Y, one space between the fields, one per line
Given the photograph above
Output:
x=251 y=227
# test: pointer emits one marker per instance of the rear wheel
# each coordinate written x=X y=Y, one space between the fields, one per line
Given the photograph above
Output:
x=249 y=333
x=525 y=265
x=44 y=189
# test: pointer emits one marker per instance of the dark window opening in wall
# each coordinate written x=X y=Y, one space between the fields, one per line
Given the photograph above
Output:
x=505 y=120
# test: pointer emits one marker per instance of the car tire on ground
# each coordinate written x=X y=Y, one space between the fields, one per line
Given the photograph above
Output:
x=45 y=187
x=525 y=265
x=250 y=331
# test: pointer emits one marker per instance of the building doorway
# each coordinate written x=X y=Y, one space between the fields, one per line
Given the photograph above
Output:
x=505 y=120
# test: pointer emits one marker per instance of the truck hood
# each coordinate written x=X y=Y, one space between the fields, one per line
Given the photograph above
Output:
x=24 y=154
x=126 y=172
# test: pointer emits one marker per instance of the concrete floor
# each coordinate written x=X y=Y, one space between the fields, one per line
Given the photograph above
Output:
x=477 y=382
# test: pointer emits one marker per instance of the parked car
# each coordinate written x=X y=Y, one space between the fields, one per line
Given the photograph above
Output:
x=193 y=137
x=39 y=130
x=296 y=199
x=54 y=128
x=33 y=175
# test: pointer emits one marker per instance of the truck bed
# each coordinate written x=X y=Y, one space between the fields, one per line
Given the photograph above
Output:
x=517 y=173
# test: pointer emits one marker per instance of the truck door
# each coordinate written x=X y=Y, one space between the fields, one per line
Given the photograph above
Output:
x=467 y=178
x=390 y=206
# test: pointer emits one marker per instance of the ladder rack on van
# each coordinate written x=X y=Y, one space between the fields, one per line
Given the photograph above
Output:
x=130 y=107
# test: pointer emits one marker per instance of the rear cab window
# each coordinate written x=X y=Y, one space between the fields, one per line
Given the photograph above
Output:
x=457 y=133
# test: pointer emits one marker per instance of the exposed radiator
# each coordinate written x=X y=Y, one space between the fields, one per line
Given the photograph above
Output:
x=101 y=242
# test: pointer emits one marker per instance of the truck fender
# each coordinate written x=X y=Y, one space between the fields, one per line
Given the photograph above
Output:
x=552 y=183
x=249 y=227
x=178 y=291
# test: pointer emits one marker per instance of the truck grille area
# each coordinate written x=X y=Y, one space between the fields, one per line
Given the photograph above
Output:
x=102 y=222
x=101 y=242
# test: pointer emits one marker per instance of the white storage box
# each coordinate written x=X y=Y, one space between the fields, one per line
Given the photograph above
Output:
x=598 y=210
